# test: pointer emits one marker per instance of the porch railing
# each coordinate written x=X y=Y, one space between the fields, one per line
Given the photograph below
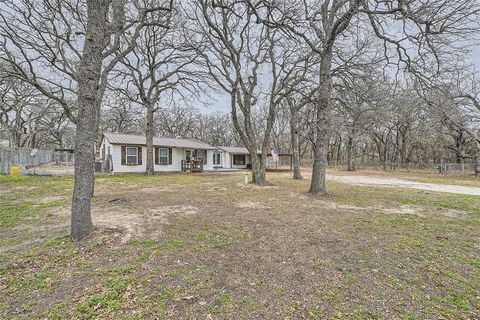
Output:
x=192 y=166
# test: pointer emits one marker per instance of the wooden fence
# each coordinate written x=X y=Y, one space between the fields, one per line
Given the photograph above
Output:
x=10 y=157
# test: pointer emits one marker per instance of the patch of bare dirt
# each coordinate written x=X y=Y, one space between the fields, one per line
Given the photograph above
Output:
x=403 y=209
x=255 y=186
x=123 y=217
x=331 y=205
x=297 y=195
x=176 y=210
x=216 y=188
x=451 y=213
x=156 y=189
x=64 y=169
x=118 y=201
x=53 y=197
x=3 y=191
x=251 y=205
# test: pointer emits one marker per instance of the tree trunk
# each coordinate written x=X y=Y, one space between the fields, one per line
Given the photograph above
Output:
x=258 y=169
x=320 y=149
x=350 y=155
x=297 y=174
x=89 y=73
x=149 y=140
x=477 y=159
x=339 y=152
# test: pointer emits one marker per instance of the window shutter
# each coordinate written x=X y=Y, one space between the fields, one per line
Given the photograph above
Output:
x=139 y=155
x=205 y=157
x=169 y=155
x=156 y=155
x=124 y=155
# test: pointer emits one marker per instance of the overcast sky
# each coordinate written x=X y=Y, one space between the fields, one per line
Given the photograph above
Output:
x=222 y=102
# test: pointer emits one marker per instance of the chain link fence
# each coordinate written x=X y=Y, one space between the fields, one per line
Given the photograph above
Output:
x=283 y=162
x=428 y=166
x=10 y=157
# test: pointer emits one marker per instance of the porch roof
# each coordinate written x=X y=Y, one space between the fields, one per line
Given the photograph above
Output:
x=243 y=150
x=237 y=150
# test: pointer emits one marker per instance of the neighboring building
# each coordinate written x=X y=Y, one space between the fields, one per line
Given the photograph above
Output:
x=128 y=153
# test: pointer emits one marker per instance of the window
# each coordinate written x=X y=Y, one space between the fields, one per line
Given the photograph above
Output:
x=163 y=155
x=201 y=155
x=239 y=159
x=132 y=155
x=217 y=159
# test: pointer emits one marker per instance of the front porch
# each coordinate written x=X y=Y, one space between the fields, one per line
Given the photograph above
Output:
x=192 y=165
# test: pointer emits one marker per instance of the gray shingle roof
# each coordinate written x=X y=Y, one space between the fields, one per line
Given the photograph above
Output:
x=131 y=139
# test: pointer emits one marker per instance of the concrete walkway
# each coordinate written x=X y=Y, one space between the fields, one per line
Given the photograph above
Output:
x=396 y=182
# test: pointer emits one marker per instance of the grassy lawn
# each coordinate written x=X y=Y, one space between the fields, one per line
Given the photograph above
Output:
x=205 y=246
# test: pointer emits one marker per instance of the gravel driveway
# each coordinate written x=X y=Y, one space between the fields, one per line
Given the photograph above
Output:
x=395 y=182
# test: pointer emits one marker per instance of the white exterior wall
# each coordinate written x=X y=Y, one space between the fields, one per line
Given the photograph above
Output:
x=178 y=154
x=226 y=160
x=117 y=160
x=209 y=164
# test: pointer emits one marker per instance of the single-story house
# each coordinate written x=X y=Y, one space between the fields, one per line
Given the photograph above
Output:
x=128 y=153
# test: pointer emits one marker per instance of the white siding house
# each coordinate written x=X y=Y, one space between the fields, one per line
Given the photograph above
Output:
x=128 y=153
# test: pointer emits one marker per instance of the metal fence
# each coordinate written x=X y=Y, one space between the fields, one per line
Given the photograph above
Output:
x=10 y=157
x=283 y=162
x=429 y=166
x=456 y=167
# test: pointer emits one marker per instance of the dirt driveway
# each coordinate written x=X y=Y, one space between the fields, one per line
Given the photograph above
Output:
x=396 y=182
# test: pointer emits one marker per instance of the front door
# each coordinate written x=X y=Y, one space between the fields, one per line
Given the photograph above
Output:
x=217 y=160
x=188 y=155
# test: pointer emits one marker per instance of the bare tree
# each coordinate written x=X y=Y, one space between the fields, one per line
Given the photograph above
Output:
x=456 y=96
x=177 y=121
x=120 y=115
x=326 y=25
x=357 y=102
x=160 y=65
x=250 y=63
x=17 y=104
x=66 y=50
